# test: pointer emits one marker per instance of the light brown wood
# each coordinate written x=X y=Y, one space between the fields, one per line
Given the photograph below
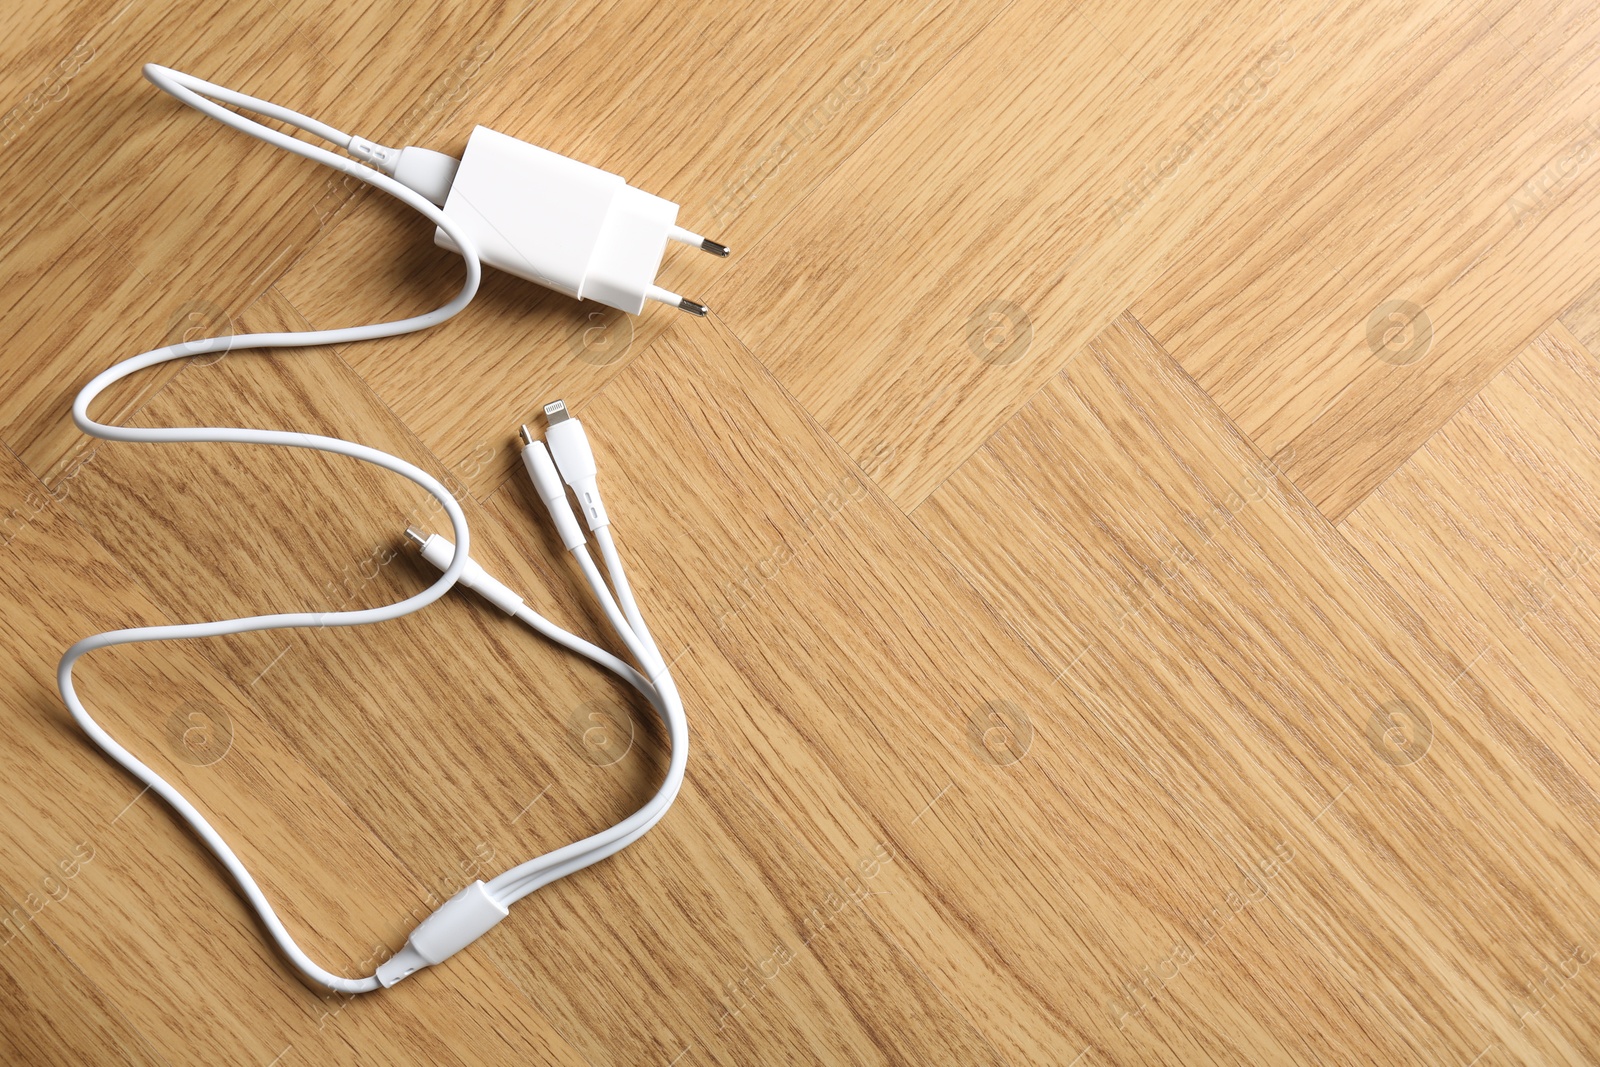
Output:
x=1226 y=635
x=1489 y=530
x=1109 y=634
x=1457 y=178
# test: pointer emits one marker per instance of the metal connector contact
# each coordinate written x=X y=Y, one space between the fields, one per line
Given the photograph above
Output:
x=694 y=240
x=675 y=300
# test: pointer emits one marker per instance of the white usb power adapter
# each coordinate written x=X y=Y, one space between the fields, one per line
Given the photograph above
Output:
x=555 y=221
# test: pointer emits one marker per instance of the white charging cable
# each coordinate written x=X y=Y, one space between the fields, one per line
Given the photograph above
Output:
x=479 y=906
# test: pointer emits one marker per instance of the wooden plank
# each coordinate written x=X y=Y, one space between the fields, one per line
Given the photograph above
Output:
x=1490 y=530
x=45 y=49
x=1057 y=168
x=1224 y=632
x=54 y=1014
x=1389 y=268
x=1042 y=871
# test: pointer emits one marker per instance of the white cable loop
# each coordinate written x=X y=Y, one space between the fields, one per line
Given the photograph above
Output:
x=202 y=96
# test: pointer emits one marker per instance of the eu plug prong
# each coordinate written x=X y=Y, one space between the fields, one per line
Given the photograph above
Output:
x=705 y=244
x=673 y=300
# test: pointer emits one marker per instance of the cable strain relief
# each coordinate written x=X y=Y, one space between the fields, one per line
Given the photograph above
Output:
x=491 y=589
x=440 y=552
x=457 y=923
x=374 y=153
x=402 y=964
x=426 y=172
x=547 y=483
x=587 y=490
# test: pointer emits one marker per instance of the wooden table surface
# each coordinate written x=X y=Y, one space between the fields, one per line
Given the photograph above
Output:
x=1127 y=537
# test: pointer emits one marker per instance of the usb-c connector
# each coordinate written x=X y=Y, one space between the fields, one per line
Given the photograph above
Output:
x=547 y=483
x=439 y=551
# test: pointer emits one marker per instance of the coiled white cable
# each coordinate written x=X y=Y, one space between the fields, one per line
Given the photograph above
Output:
x=520 y=880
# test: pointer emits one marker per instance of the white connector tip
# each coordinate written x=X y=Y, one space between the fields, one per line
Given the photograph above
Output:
x=547 y=483
x=441 y=552
x=570 y=451
x=457 y=923
x=402 y=964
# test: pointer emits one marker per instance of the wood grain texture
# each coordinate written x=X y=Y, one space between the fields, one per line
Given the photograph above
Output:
x=55 y=1014
x=1094 y=651
x=1416 y=238
x=889 y=742
x=1227 y=636
x=1490 y=530
x=1165 y=175
x=951 y=266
